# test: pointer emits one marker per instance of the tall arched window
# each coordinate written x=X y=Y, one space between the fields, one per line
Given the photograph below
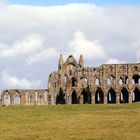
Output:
x=109 y=82
x=7 y=98
x=123 y=80
x=99 y=96
x=17 y=98
x=111 y=97
x=120 y=81
x=74 y=99
x=136 y=79
x=136 y=95
x=124 y=96
x=97 y=82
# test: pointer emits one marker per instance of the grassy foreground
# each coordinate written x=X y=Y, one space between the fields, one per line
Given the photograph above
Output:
x=70 y=122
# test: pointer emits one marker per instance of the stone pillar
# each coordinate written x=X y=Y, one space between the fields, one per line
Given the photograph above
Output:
x=81 y=99
x=69 y=100
x=92 y=99
x=53 y=100
x=117 y=98
x=130 y=97
x=105 y=98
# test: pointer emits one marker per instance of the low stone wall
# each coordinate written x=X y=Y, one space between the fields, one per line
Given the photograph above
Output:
x=24 y=97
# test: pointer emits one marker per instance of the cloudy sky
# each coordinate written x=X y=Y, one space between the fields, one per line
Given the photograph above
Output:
x=34 y=33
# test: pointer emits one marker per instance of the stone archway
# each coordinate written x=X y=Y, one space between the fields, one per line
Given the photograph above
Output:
x=17 y=98
x=7 y=98
x=136 y=95
x=136 y=79
x=111 y=96
x=99 y=96
x=86 y=96
x=74 y=99
x=60 y=98
x=124 y=96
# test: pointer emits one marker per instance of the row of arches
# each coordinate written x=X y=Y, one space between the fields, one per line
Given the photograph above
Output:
x=8 y=99
x=86 y=97
x=15 y=98
x=122 y=80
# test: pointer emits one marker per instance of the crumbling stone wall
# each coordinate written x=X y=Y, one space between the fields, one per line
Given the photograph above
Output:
x=110 y=83
x=24 y=97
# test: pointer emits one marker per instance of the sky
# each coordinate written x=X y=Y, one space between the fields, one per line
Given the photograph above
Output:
x=34 y=33
x=61 y=2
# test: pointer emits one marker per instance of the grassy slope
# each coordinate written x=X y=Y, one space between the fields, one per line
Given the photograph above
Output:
x=70 y=122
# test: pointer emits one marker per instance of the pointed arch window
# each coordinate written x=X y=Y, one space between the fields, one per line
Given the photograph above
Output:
x=97 y=82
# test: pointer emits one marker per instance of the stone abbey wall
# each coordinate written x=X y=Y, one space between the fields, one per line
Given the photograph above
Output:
x=110 y=83
x=24 y=97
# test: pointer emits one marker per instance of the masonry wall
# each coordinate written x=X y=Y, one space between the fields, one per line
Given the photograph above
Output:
x=24 y=97
x=110 y=83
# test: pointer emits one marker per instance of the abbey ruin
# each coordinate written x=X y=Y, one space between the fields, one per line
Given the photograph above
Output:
x=110 y=83
x=73 y=83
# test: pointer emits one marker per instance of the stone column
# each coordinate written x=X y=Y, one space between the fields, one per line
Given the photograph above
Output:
x=117 y=98
x=53 y=100
x=92 y=99
x=130 y=97
x=69 y=99
x=81 y=99
x=105 y=98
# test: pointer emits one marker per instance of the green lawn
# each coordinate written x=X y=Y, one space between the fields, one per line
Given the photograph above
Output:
x=70 y=122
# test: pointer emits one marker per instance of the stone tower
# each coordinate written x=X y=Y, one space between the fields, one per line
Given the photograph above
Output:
x=81 y=61
x=61 y=61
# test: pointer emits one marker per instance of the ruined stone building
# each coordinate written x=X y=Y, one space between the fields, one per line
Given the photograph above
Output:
x=24 y=97
x=110 y=83
x=75 y=84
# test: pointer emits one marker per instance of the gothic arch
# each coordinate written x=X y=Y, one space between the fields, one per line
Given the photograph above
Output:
x=60 y=98
x=111 y=96
x=109 y=81
x=97 y=82
x=86 y=96
x=99 y=96
x=136 y=95
x=136 y=79
x=123 y=79
x=7 y=98
x=17 y=98
x=124 y=95
x=74 y=82
x=74 y=98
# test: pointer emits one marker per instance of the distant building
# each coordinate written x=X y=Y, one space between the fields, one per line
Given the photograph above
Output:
x=110 y=83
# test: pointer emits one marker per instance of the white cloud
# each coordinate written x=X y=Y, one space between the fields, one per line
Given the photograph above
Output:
x=14 y=82
x=114 y=61
x=43 y=55
x=138 y=55
x=29 y=45
x=34 y=34
x=89 y=48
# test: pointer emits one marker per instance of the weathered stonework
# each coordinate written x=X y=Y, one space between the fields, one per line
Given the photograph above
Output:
x=110 y=83
x=24 y=97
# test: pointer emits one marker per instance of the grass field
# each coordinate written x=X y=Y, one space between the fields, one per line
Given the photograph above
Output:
x=70 y=122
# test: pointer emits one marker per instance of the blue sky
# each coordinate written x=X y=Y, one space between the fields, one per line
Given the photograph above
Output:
x=33 y=37
x=61 y=2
